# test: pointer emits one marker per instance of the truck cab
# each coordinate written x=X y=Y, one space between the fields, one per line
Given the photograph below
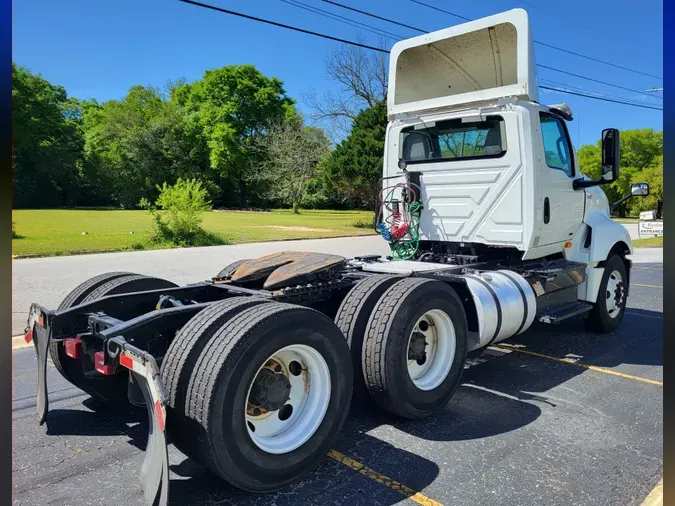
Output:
x=496 y=168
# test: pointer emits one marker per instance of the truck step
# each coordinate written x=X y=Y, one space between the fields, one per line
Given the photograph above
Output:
x=564 y=312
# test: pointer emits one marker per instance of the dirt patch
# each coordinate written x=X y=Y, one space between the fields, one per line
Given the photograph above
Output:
x=298 y=229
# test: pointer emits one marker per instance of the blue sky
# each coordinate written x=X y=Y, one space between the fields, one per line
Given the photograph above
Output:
x=99 y=48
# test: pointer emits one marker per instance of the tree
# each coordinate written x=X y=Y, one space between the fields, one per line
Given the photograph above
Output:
x=232 y=105
x=361 y=76
x=135 y=144
x=355 y=166
x=289 y=157
x=48 y=144
x=640 y=150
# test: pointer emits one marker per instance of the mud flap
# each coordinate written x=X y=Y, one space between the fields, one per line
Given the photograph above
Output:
x=41 y=336
x=154 y=473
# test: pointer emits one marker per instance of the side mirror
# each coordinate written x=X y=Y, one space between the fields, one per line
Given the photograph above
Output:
x=610 y=161
x=639 y=189
x=636 y=190
x=610 y=155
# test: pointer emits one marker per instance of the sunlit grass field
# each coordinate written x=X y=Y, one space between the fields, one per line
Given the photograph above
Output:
x=60 y=231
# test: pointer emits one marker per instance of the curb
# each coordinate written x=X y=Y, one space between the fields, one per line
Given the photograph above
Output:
x=19 y=342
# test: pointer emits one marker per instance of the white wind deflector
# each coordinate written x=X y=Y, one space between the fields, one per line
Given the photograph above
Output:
x=486 y=59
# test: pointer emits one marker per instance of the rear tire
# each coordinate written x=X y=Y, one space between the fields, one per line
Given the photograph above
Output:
x=109 y=389
x=220 y=392
x=179 y=362
x=71 y=369
x=352 y=319
x=228 y=271
x=63 y=362
x=610 y=306
x=415 y=380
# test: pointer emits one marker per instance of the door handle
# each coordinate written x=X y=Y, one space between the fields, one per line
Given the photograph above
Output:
x=547 y=211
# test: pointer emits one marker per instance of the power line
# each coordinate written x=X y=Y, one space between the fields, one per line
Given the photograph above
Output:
x=365 y=13
x=640 y=92
x=370 y=28
x=441 y=10
x=281 y=25
x=566 y=86
x=555 y=14
x=597 y=81
x=370 y=14
x=342 y=19
x=549 y=45
x=365 y=46
x=569 y=92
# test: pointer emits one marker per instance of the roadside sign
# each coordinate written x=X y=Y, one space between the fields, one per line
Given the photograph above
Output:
x=650 y=228
x=648 y=215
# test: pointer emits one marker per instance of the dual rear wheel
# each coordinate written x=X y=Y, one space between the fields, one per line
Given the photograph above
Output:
x=258 y=390
x=408 y=339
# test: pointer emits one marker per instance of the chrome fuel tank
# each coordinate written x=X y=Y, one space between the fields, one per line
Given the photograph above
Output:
x=505 y=305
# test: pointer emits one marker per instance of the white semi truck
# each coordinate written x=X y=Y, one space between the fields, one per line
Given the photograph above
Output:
x=491 y=226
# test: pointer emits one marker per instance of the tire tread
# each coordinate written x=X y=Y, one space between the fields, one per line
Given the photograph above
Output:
x=375 y=342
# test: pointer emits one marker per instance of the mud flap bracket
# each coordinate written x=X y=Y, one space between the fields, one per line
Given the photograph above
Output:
x=154 y=474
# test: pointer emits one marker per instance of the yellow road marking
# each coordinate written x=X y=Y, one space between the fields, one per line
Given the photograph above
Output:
x=384 y=480
x=655 y=497
x=578 y=364
x=648 y=286
x=645 y=315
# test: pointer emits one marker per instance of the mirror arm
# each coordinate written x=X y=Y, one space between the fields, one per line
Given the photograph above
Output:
x=577 y=184
x=621 y=201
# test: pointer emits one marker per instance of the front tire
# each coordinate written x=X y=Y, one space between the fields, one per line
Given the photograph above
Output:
x=260 y=362
x=415 y=347
x=610 y=306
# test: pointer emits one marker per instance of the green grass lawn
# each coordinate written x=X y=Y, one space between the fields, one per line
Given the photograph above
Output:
x=649 y=242
x=59 y=231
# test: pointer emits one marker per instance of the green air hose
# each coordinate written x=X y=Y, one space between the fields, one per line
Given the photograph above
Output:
x=407 y=247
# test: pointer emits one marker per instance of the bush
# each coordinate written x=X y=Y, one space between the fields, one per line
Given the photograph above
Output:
x=177 y=213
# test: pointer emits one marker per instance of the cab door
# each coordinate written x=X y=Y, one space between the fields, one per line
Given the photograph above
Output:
x=563 y=205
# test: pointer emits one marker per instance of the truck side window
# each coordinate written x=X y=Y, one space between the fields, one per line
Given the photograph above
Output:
x=556 y=144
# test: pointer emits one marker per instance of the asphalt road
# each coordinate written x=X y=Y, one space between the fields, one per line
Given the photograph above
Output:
x=521 y=430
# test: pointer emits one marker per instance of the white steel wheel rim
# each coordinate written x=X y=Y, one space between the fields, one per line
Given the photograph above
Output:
x=439 y=335
x=309 y=397
x=615 y=289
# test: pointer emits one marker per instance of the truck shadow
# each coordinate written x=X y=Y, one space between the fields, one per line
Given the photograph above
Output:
x=368 y=439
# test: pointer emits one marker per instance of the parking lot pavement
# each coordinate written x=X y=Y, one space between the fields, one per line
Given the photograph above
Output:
x=556 y=416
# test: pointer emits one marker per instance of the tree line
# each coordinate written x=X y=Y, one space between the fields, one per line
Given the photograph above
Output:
x=235 y=130
x=238 y=132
